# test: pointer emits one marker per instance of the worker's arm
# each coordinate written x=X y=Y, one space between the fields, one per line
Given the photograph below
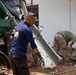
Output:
x=70 y=48
x=37 y=53
x=30 y=39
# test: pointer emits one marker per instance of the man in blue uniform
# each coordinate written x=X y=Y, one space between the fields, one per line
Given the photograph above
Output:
x=19 y=46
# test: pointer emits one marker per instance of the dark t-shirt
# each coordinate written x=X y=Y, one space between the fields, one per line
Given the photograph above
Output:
x=22 y=36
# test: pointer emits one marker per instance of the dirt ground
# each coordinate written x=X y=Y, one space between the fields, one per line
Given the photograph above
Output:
x=58 y=70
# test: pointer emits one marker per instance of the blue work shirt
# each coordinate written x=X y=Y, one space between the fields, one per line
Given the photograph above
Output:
x=22 y=36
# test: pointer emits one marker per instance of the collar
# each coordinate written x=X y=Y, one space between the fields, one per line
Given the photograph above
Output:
x=27 y=24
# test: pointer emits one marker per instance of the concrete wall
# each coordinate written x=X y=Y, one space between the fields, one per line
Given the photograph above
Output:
x=73 y=16
x=56 y=15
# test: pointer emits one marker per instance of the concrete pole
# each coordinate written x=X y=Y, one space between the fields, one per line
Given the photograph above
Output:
x=31 y=5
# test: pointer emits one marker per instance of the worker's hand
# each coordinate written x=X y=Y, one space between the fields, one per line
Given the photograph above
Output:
x=71 y=49
x=69 y=43
x=38 y=56
x=40 y=60
x=73 y=55
x=70 y=46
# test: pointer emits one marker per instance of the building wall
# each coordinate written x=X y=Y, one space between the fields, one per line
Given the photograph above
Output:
x=56 y=15
x=73 y=16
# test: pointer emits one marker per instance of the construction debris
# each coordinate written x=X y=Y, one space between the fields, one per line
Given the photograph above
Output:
x=57 y=72
x=5 y=71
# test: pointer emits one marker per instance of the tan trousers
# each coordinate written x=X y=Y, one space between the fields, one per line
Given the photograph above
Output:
x=60 y=43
